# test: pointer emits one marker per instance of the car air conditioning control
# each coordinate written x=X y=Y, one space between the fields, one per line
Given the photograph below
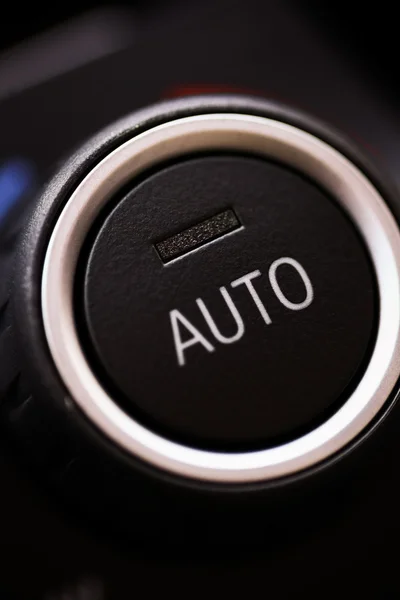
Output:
x=205 y=307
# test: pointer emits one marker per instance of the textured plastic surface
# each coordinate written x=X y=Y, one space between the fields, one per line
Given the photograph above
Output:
x=195 y=236
x=255 y=374
x=91 y=470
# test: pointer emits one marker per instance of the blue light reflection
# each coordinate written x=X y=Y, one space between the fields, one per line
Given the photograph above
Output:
x=17 y=177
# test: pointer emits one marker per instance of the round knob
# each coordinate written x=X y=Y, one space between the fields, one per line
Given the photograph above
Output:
x=205 y=312
x=240 y=340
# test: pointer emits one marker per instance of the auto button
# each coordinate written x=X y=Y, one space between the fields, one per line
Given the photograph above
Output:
x=227 y=302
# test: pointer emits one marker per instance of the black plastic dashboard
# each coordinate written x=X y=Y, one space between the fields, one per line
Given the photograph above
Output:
x=273 y=50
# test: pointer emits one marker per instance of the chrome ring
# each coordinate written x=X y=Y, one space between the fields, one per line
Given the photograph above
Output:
x=216 y=132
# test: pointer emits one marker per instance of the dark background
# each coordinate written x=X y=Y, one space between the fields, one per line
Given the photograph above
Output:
x=337 y=62
x=369 y=31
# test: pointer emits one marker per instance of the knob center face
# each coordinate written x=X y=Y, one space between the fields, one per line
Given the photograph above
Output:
x=226 y=302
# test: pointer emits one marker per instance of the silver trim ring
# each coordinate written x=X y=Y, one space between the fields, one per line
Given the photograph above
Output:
x=219 y=132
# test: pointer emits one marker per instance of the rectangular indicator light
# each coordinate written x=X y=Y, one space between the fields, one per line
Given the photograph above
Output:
x=198 y=235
